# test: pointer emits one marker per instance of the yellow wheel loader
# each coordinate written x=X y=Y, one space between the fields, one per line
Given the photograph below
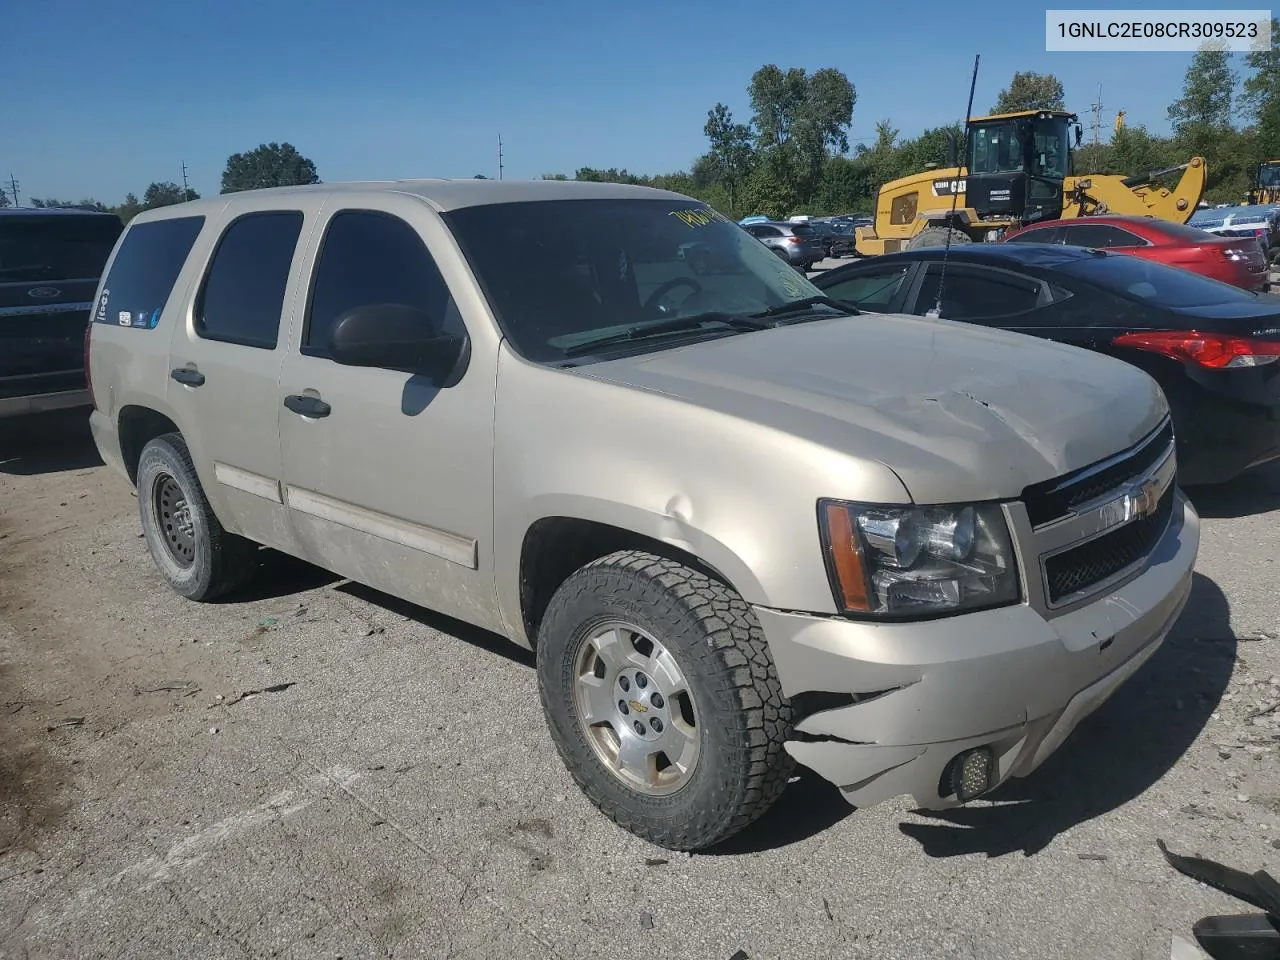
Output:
x=1018 y=170
x=1266 y=186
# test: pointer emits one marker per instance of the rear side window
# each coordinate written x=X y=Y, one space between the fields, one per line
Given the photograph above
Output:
x=144 y=271
x=1155 y=283
x=366 y=258
x=1037 y=235
x=243 y=293
x=803 y=231
x=973 y=293
x=55 y=246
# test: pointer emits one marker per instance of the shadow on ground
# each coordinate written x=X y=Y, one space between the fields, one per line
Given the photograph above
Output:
x=280 y=575
x=476 y=636
x=1113 y=756
x=47 y=443
x=1256 y=491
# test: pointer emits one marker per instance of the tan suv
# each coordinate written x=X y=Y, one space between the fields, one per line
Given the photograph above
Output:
x=741 y=524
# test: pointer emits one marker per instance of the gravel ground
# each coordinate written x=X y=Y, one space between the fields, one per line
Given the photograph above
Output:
x=390 y=790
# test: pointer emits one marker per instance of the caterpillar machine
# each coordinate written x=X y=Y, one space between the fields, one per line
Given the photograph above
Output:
x=1018 y=170
x=1266 y=186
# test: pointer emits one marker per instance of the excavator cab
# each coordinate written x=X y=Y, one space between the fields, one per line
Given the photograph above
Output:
x=1017 y=163
x=1266 y=188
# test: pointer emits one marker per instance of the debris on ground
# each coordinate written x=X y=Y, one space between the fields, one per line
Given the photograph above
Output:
x=185 y=687
x=646 y=921
x=274 y=688
x=1091 y=856
x=66 y=722
x=655 y=861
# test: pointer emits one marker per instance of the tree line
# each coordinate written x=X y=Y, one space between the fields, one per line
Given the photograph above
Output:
x=268 y=165
x=793 y=155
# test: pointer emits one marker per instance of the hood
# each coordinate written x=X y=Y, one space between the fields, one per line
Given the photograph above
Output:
x=958 y=412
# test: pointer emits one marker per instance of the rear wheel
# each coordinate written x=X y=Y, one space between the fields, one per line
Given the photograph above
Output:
x=937 y=237
x=662 y=699
x=190 y=548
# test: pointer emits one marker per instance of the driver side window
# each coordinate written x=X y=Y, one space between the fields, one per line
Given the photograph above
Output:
x=872 y=290
x=369 y=257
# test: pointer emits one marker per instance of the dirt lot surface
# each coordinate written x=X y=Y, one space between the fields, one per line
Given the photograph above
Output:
x=315 y=770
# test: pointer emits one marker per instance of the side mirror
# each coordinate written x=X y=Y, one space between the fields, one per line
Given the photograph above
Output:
x=1079 y=134
x=394 y=336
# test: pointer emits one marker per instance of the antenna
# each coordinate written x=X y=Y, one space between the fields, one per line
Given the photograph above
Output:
x=1096 y=123
x=499 y=156
x=186 y=189
x=955 y=192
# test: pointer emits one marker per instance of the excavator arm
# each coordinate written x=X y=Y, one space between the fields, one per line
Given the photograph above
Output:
x=1137 y=195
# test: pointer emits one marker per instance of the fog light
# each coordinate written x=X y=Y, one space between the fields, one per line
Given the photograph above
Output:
x=973 y=773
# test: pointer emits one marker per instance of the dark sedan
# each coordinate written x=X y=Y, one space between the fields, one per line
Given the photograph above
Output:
x=1213 y=348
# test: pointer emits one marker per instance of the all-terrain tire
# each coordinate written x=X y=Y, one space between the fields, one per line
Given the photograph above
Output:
x=743 y=719
x=219 y=561
x=937 y=237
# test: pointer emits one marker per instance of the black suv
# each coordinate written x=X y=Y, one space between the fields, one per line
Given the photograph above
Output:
x=50 y=262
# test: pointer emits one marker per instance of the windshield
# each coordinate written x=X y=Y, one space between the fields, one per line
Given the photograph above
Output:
x=560 y=273
x=1037 y=146
x=1154 y=283
x=55 y=247
x=1269 y=175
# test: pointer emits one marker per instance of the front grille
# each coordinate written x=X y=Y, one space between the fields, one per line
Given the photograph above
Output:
x=1094 y=561
x=1054 y=499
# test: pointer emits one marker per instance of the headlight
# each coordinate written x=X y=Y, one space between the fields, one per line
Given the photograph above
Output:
x=900 y=562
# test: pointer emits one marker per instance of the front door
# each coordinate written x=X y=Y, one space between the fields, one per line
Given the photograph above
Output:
x=389 y=476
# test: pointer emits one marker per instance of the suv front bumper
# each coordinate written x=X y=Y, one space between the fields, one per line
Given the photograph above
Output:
x=892 y=704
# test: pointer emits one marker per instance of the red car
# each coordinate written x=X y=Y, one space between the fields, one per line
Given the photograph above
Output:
x=1235 y=260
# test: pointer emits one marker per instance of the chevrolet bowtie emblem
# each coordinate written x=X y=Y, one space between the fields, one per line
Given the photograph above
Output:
x=1144 y=498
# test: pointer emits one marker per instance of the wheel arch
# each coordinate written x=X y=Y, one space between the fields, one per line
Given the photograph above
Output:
x=559 y=542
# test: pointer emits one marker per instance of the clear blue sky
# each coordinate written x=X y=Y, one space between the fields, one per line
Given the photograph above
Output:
x=103 y=98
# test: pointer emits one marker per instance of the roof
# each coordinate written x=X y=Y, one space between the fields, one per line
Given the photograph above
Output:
x=446 y=195
x=1030 y=254
x=1024 y=113
x=51 y=212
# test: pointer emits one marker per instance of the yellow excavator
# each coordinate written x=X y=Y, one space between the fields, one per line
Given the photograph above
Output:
x=1018 y=170
x=1266 y=185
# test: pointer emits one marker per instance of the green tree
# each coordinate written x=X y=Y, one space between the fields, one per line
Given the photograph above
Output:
x=1031 y=91
x=4 y=199
x=731 y=156
x=269 y=165
x=554 y=176
x=1261 y=96
x=1205 y=103
x=166 y=195
x=809 y=114
x=129 y=209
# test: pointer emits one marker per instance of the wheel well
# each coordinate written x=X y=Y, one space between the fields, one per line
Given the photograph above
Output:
x=554 y=547
x=138 y=426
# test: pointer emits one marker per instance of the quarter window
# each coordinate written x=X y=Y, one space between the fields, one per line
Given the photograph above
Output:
x=373 y=258
x=144 y=271
x=243 y=294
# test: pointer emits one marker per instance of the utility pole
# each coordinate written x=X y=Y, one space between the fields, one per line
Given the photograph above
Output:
x=186 y=190
x=499 y=156
x=1096 y=123
x=14 y=184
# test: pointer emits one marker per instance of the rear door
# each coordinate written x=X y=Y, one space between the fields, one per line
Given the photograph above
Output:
x=225 y=359
x=50 y=264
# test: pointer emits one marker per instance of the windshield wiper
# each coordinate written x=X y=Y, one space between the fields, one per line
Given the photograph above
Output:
x=797 y=306
x=697 y=321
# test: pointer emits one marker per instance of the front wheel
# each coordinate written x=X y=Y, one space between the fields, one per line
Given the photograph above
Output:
x=937 y=237
x=663 y=700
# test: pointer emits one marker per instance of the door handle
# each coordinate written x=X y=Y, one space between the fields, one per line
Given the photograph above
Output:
x=307 y=406
x=187 y=376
